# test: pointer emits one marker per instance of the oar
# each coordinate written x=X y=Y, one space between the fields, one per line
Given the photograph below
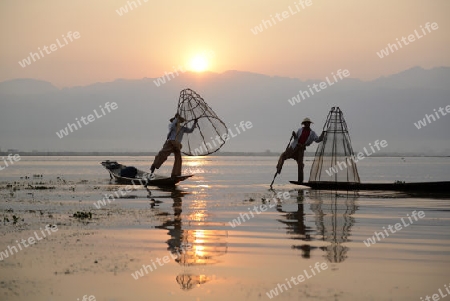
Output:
x=275 y=175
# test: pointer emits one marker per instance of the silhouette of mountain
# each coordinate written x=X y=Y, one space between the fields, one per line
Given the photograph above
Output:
x=33 y=111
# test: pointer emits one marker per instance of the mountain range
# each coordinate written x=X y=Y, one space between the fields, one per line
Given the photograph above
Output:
x=388 y=108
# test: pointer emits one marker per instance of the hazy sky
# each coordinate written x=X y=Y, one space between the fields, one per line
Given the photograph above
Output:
x=160 y=36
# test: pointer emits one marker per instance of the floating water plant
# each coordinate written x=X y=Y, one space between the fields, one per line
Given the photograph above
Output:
x=82 y=215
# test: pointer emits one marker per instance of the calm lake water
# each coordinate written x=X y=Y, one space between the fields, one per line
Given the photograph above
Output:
x=167 y=245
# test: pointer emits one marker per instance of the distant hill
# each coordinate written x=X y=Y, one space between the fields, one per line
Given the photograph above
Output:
x=387 y=108
x=26 y=86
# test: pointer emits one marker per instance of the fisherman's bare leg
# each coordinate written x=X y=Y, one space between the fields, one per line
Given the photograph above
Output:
x=283 y=157
x=161 y=157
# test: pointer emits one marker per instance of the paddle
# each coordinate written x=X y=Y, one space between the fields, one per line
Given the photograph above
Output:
x=275 y=175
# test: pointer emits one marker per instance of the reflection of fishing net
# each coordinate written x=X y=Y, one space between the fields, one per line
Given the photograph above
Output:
x=210 y=133
x=334 y=159
x=206 y=247
x=189 y=281
x=334 y=221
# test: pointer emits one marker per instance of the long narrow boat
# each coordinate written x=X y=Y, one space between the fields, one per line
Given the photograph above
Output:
x=130 y=175
x=430 y=187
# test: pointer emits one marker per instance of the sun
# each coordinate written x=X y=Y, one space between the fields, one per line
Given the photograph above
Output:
x=199 y=63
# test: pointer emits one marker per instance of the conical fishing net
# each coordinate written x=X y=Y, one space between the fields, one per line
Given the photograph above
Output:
x=210 y=133
x=334 y=158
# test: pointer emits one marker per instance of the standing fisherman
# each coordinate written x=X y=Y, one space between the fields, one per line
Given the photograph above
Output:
x=173 y=145
x=303 y=138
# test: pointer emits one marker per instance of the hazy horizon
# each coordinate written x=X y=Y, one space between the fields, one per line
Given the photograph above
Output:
x=37 y=115
x=385 y=64
x=206 y=73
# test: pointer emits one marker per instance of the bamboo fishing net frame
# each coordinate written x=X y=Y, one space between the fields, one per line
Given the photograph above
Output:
x=210 y=133
x=335 y=150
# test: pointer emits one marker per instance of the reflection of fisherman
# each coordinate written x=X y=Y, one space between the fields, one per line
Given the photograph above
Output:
x=303 y=138
x=173 y=145
x=175 y=243
x=295 y=225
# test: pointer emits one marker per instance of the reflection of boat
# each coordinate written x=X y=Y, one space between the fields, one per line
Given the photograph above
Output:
x=428 y=187
x=131 y=175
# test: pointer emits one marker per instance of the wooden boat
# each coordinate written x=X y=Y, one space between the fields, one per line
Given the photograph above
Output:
x=430 y=187
x=130 y=175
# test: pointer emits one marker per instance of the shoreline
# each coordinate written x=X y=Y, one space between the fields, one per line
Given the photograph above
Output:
x=143 y=154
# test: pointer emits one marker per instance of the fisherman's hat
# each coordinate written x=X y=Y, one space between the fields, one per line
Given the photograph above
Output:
x=306 y=120
x=181 y=119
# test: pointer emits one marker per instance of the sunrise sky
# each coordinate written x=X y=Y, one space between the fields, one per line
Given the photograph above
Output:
x=156 y=37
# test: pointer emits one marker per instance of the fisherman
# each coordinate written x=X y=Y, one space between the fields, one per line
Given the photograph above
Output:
x=303 y=138
x=173 y=145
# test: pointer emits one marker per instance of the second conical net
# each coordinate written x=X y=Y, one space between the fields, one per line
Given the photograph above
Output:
x=333 y=161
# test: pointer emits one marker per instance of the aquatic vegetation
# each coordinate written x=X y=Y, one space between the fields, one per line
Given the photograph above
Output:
x=14 y=218
x=39 y=187
x=82 y=215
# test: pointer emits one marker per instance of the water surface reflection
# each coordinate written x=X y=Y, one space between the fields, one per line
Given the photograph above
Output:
x=193 y=240
x=334 y=220
x=332 y=215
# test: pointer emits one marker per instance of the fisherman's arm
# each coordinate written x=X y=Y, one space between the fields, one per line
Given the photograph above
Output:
x=296 y=134
x=320 y=138
x=187 y=130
